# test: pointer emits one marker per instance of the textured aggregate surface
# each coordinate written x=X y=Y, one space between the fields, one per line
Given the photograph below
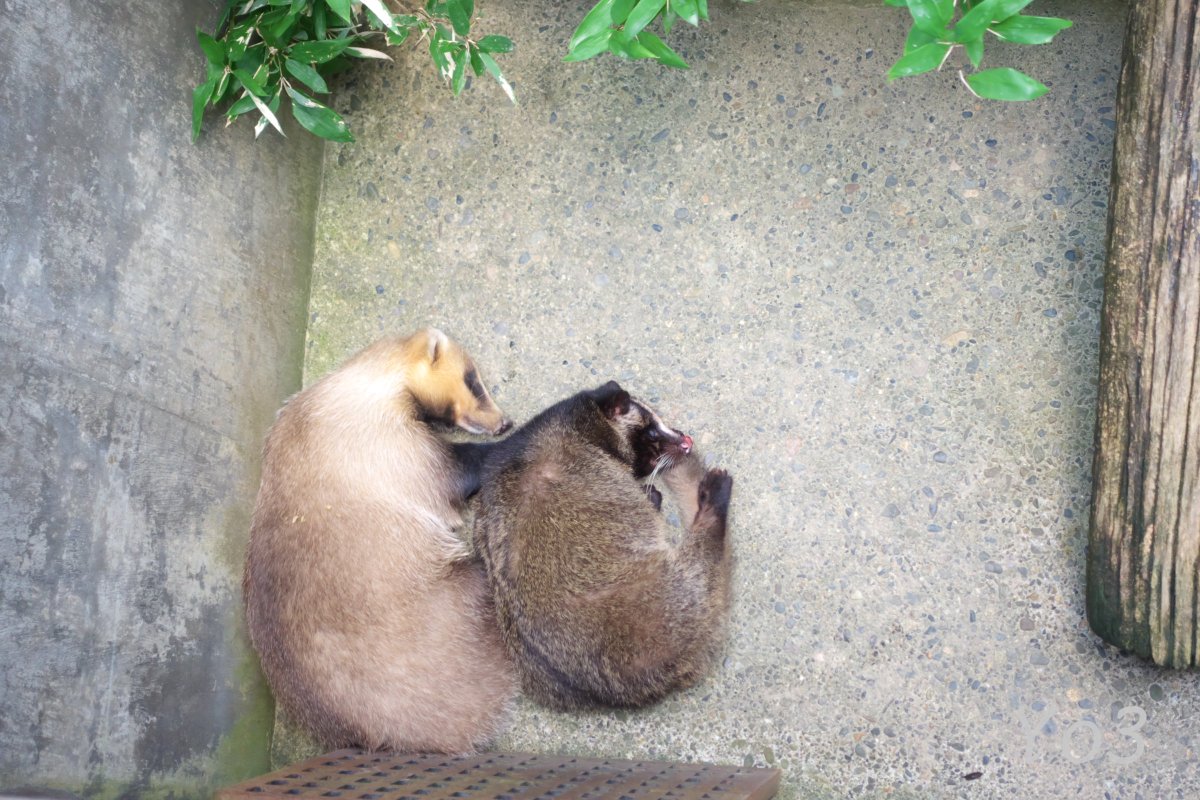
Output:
x=876 y=305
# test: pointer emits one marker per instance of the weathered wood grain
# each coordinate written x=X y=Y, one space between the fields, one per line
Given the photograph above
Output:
x=1144 y=543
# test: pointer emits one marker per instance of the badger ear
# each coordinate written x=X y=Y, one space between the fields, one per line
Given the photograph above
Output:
x=438 y=342
x=612 y=399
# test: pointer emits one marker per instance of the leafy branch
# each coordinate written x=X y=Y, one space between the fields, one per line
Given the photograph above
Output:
x=933 y=37
x=265 y=49
x=620 y=27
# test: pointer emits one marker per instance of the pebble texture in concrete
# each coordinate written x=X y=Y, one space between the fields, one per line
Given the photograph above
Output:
x=876 y=305
x=152 y=300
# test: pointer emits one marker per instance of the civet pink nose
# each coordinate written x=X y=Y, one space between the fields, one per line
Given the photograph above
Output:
x=686 y=444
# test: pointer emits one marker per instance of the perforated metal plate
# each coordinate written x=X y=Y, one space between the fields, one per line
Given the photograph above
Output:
x=356 y=775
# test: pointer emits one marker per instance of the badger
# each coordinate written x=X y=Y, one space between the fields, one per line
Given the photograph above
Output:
x=372 y=621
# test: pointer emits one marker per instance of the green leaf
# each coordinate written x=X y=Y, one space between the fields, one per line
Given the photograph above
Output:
x=380 y=11
x=446 y=54
x=269 y=19
x=931 y=16
x=896 y=3
x=252 y=59
x=493 y=69
x=278 y=33
x=476 y=61
x=397 y=36
x=236 y=40
x=1030 y=30
x=592 y=46
x=319 y=52
x=702 y=5
x=622 y=47
x=659 y=49
x=306 y=75
x=437 y=51
x=342 y=9
x=252 y=62
x=214 y=51
x=642 y=15
x=917 y=38
x=687 y=10
x=923 y=59
x=268 y=113
x=620 y=11
x=459 y=79
x=243 y=105
x=251 y=85
x=1007 y=8
x=595 y=21
x=496 y=44
x=319 y=20
x=669 y=17
x=367 y=52
x=200 y=96
x=261 y=125
x=459 y=12
x=1005 y=83
x=975 y=22
x=224 y=82
x=336 y=67
x=319 y=119
x=974 y=51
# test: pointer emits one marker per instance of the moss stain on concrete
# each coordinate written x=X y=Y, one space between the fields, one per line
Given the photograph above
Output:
x=245 y=751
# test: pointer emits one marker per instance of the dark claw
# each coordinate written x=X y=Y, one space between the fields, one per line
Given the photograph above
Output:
x=715 y=490
x=655 y=497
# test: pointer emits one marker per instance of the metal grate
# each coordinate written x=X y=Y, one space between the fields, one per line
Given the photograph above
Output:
x=357 y=775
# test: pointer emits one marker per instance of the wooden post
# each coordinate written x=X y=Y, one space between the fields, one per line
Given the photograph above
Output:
x=1143 y=581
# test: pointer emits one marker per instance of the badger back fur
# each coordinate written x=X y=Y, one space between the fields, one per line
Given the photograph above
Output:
x=373 y=626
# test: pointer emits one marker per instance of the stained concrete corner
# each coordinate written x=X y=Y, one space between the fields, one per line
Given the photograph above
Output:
x=152 y=303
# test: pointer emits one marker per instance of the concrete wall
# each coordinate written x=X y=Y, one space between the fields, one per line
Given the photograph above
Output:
x=152 y=303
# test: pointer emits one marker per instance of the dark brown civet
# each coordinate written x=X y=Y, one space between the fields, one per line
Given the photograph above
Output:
x=596 y=605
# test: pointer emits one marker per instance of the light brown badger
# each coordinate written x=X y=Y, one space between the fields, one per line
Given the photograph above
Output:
x=373 y=627
x=596 y=605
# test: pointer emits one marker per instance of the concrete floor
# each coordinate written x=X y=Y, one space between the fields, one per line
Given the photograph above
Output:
x=876 y=304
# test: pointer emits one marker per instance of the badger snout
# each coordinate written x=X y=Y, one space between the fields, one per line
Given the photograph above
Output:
x=490 y=424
